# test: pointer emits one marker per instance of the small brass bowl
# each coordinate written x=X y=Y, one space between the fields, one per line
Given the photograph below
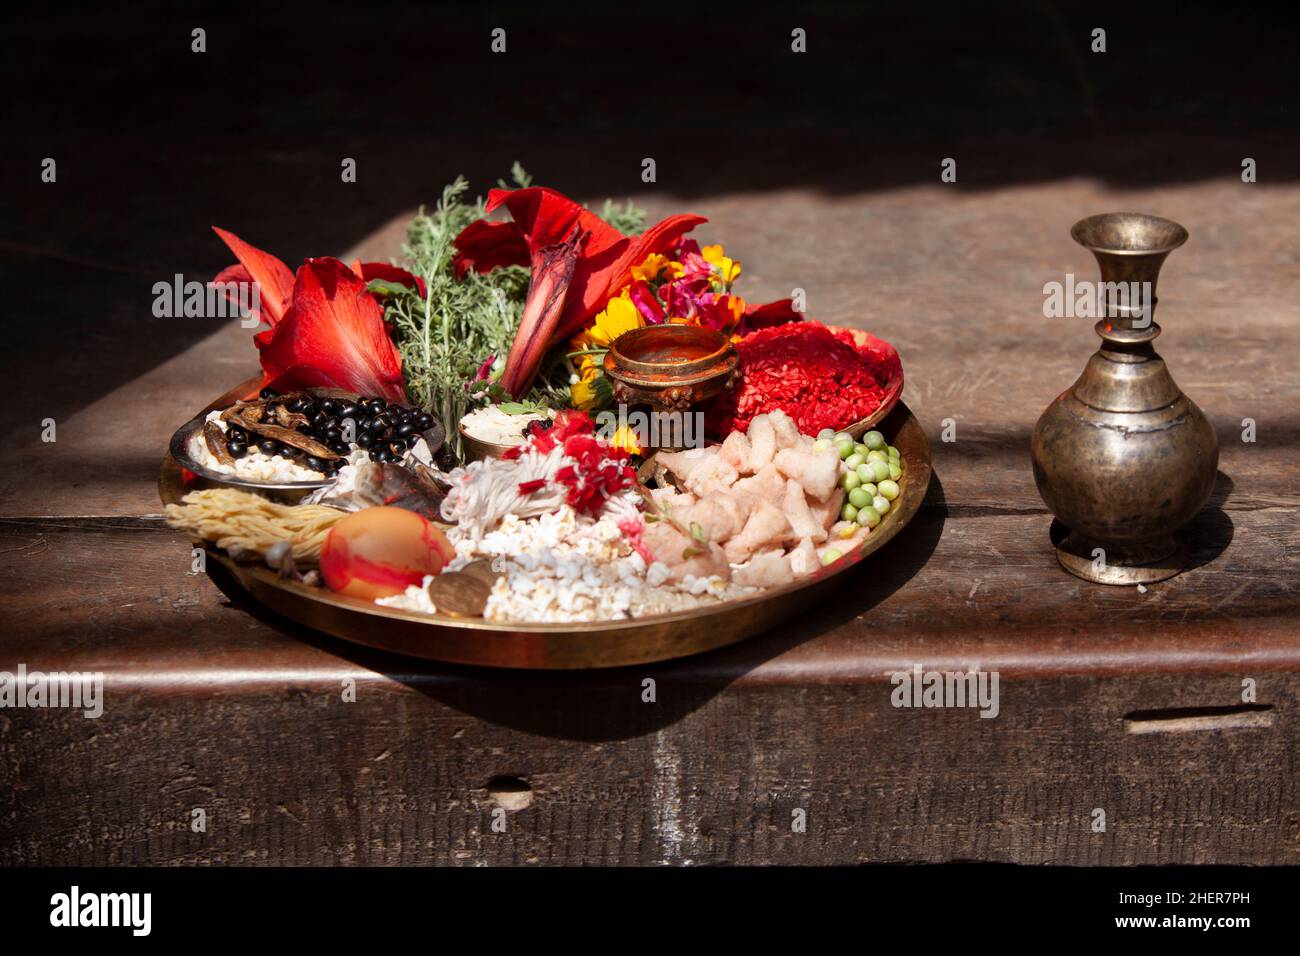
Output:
x=476 y=449
x=670 y=367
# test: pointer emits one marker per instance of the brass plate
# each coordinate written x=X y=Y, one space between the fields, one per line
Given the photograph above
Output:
x=573 y=646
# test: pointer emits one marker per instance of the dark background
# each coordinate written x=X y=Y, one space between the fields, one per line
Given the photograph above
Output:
x=155 y=143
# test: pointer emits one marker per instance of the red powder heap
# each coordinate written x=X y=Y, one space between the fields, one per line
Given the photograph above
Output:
x=817 y=376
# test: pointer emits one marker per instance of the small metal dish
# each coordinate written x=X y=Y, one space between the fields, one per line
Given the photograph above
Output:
x=288 y=492
x=476 y=449
x=894 y=389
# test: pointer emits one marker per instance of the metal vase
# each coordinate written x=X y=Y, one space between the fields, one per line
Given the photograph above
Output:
x=1123 y=458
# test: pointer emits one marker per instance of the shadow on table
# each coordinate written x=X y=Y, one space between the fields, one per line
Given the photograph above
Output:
x=607 y=704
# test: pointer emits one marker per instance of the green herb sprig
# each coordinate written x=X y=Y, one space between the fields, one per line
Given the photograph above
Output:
x=446 y=335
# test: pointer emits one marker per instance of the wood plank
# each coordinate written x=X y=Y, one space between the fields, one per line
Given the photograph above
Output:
x=978 y=589
x=296 y=776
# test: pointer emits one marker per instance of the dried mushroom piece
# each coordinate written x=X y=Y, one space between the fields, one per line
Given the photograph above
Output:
x=215 y=439
x=294 y=439
x=288 y=419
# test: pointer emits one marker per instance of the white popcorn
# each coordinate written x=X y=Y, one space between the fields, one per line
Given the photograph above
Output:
x=566 y=567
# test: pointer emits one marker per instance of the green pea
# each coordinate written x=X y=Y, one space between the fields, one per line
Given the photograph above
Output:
x=889 y=489
x=831 y=555
x=880 y=468
x=850 y=481
x=859 y=498
x=870 y=488
x=843 y=436
x=849 y=513
x=822 y=444
x=881 y=504
x=894 y=453
x=868 y=517
x=861 y=449
x=877 y=455
x=826 y=433
x=844 y=448
x=873 y=440
x=895 y=473
x=854 y=460
x=866 y=472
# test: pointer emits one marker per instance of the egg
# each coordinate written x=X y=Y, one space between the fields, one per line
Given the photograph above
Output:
x=378 y=552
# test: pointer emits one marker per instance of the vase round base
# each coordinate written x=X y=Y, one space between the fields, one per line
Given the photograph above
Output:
x=1156 y=561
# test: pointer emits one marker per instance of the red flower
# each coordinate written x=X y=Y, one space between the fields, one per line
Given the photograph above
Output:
x=332 y=335
x=326 y=328
x=578 y=261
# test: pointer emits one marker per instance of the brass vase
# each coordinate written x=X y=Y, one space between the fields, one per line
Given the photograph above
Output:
x=1123 y=458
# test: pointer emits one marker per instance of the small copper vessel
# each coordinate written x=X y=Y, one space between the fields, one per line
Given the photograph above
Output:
x=1123 y=458
x=670 y=367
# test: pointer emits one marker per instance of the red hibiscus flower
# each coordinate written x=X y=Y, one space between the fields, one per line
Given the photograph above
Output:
x=326 y=328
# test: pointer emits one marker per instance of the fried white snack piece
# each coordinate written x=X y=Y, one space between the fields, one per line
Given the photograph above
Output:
x=683 y=555
x=767 y=485
x=786 y=431
x=766 y=528
x=735 y=451
x=802 y=521
x=762 y=443
x=817 y=471
x=670 y=499
x=767 y=569
x=716 y=519
x=803 y=558
x=698 y=466
x=828 y=512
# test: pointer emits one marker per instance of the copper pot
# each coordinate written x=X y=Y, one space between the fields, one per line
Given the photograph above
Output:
x=670 y=367
x=1123 y=458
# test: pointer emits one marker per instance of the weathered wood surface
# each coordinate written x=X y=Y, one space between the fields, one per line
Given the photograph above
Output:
x=1110 y=699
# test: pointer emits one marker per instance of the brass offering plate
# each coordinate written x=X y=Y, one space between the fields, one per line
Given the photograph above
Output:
x=472 y=640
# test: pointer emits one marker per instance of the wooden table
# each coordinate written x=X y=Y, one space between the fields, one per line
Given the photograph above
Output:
x=1111 y=699
x=818 y=171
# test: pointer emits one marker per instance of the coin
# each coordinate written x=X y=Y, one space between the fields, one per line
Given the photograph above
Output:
x=481 y=570
x=459 y=594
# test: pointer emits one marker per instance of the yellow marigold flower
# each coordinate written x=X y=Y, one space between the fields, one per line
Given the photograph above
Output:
x=625 y=437
x=620 y=316
x=728 y=269
x=652 y=268
x=583 y=393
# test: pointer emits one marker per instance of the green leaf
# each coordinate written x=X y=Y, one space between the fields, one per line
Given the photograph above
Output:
x=382 y=287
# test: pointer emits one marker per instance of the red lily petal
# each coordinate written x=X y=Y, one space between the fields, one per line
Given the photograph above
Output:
x=271 y=275
x=483 y=245
x=553 y=267
x=333 y=334
x=227 y=279
x=545 y=217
